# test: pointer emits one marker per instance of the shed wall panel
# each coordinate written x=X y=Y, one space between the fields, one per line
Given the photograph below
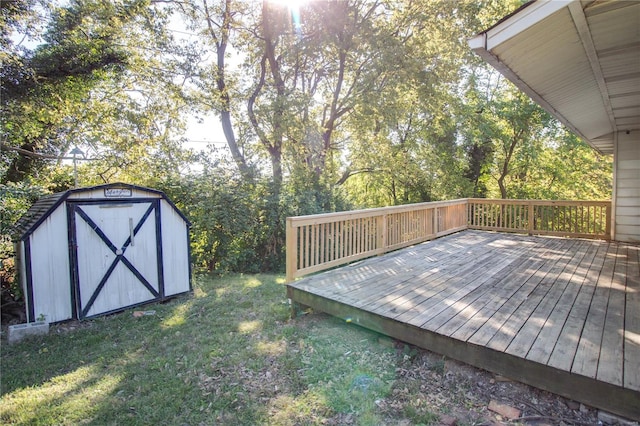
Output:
x=50 y=268
x=22 y=270
x=143 y=252
x=175 y=251
x=85 y=253
x=121 y=291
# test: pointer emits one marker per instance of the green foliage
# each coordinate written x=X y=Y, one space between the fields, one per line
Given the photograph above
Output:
x=15 y=200
x=229 y=218
x=95 y=80
x=45 y=90
x=515 y=149
x=404 y=146
x=564 y=168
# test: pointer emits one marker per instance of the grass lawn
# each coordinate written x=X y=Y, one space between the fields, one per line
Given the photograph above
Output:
x=228 y=354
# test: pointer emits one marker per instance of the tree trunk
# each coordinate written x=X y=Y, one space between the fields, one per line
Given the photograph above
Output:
x=505 y=165
x=221 y=40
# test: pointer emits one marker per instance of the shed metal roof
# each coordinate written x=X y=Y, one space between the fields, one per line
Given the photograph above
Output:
x=45 y=205
x=580 y=60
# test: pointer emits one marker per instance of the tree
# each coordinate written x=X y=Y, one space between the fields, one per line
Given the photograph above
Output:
x=216 y=22
x=515 y=149
x=404 y=142
x=44 y=89
x=106 y=76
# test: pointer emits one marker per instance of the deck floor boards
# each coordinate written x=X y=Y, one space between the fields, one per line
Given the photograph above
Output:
x=523 y=281
x=610 y=366
x=566 y=343
x=540 y=318
x=528 y=303
x=587 y=355
x=567 y=305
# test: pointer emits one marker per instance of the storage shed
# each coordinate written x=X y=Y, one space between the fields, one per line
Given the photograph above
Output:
x=93 y=251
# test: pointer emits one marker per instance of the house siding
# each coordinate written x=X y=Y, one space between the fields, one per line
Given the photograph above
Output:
x=627 y=187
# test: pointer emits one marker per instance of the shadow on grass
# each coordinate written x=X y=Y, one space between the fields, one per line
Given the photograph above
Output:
x=228 y=354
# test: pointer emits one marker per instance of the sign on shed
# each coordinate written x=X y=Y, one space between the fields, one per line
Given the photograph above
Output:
x=93 y=251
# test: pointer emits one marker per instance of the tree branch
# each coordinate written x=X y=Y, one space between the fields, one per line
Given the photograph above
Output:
x=4 y=147
x=348 y=173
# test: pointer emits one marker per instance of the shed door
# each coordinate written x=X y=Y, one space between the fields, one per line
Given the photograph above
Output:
x=116 y=254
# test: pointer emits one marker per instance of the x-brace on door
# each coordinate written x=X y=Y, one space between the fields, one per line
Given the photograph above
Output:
x=116 y=254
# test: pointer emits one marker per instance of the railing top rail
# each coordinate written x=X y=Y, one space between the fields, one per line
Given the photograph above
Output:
x=540 y=202
x=355 y=214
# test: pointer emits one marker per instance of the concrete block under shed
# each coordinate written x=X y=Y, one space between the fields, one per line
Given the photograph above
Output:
x=20 y=331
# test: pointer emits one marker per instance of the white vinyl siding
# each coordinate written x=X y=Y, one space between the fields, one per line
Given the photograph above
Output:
x=627 y=194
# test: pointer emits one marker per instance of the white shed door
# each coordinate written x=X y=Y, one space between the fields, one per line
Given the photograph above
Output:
x=117 y=254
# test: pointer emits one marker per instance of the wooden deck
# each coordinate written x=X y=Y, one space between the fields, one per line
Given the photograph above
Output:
x=559 y=314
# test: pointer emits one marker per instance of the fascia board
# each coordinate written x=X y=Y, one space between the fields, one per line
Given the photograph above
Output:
x=519 y=22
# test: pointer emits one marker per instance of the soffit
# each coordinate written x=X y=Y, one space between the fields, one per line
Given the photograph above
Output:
x=579 y=60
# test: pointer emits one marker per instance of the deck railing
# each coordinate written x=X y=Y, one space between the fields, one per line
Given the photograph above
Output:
x=577 y=219
x=318 y=242
x=323 y=241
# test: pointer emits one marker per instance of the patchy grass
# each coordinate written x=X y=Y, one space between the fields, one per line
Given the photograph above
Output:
x=227 y=354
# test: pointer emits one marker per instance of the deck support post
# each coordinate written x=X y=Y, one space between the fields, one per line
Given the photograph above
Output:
x=296 y=307
x=291 y=250
x=381 y=230
x=609 y=220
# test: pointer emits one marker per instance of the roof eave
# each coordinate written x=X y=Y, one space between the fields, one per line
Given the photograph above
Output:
x=525 y=17
x=478 y=45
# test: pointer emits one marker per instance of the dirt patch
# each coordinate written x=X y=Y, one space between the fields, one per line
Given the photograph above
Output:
x=430 y=389
x=460 y=394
